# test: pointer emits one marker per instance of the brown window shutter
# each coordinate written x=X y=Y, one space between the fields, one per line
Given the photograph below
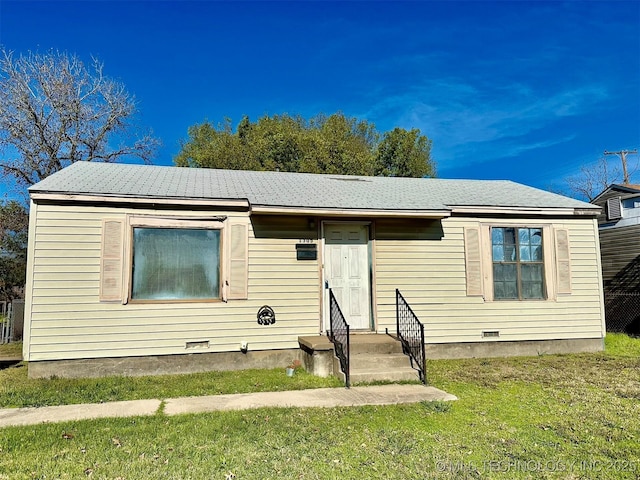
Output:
x=563 y=261
x=238 y=261
x=111 y=261
x=473 y=260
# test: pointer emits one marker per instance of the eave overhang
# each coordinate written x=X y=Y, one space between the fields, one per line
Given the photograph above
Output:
x=523 y=211
x=348 y=212
x=142 y=200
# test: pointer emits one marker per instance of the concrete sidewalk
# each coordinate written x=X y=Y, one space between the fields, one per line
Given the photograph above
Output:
x=322 y=397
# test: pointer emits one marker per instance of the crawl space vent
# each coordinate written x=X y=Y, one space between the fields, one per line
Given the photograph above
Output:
x=490 y=334
x=202 y=344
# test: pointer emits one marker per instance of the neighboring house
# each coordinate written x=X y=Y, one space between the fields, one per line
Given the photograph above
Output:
x=619 y=225
x=140 y=269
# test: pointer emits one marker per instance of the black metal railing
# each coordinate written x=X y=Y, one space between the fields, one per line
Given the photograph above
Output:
x=339 y=336
x=411 y=335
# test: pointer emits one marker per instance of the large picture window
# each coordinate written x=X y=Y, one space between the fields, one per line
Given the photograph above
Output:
x=175 y=264
x=518 y=263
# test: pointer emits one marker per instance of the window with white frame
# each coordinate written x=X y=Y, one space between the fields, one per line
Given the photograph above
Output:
x=518 y=263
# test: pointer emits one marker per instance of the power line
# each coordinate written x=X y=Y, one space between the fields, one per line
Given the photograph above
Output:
x=623 y=157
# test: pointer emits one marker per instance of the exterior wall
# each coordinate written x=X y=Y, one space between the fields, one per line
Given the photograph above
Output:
x=425 y=259
x=627 y=203
x=429 y=270
x=619 y=247
x=66 y=320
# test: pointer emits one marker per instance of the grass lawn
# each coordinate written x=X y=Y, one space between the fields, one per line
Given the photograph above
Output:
x=11 y=350
x=557 y=416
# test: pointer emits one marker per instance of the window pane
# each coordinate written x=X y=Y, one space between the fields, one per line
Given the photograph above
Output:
x=498 y=253
x=504 y=281
x=532 y=290
x=536 y=253
x=510 y=272
x=511 y=290
x=510 y=236
x=525 y=254
x=523 y=236
x=497 y=236
x=176 y=264
x=532 y=284
x=536 y=236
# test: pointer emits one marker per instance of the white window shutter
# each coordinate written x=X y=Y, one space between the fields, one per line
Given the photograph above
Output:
x=473 y=260
x=111 y=261
x=563 y=260
x=238 y=261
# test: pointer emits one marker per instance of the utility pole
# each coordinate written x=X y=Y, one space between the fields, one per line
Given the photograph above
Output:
x=623 y=157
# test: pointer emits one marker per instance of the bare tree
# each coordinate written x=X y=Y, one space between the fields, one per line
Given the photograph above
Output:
x=594 y=179
x=54 y=111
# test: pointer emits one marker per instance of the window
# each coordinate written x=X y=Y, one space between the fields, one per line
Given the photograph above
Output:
x=175 y=264
x=518 y=263
x=174 y=259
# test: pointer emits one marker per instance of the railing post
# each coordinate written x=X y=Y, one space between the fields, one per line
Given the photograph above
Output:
x=347 y=375
x=397 y=312
x=424 y=355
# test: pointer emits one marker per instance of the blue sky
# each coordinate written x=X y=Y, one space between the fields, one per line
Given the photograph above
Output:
x=525 y=91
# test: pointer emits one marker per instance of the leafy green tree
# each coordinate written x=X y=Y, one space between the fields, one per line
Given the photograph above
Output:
x=334 y=144
x=405 y=153
x=14 y=225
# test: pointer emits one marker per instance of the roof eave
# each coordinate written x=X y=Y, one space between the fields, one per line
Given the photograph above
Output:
x=619 y=188
x=349 y=212
x=523 y=211
x=138 y=199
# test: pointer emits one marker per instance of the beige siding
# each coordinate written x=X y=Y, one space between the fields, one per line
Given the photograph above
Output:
x=430 y=273
x=67 y=321
x=425 y=259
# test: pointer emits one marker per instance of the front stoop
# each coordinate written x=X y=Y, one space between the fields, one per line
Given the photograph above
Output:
x=373 y=358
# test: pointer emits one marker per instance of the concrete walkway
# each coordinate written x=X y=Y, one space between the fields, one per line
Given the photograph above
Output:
x=322 y=397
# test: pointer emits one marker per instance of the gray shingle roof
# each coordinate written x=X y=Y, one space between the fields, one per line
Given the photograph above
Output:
x=303 y=190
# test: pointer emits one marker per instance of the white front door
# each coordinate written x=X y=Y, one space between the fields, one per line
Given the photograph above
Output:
x=346 y=272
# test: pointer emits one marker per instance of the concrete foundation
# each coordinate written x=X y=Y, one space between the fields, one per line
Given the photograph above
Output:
x=164 y=364
x=512 y=349
x=315 y=353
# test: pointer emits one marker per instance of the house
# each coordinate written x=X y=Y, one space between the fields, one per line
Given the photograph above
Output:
x=141 y=269
x=619 y=225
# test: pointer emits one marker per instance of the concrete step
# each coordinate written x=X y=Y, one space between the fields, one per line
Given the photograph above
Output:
x=382 y=360
x=374 y=344
x=373 y=374
x=370 y=367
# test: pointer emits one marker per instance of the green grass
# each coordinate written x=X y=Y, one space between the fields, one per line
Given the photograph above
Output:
x=555 y=416
x=16 y=390
x=11 y=350
x=620 y=344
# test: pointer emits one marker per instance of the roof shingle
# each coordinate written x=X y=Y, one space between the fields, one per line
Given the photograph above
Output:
x=304 y=190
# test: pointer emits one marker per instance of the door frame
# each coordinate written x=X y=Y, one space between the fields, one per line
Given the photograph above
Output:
x=324 y=303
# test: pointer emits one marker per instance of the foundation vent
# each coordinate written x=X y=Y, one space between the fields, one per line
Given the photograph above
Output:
x=491 y=334
x=194 y=345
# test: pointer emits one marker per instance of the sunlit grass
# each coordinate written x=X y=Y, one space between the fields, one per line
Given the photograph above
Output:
x=16 y=390
x=556 y=416
x=11 y=350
